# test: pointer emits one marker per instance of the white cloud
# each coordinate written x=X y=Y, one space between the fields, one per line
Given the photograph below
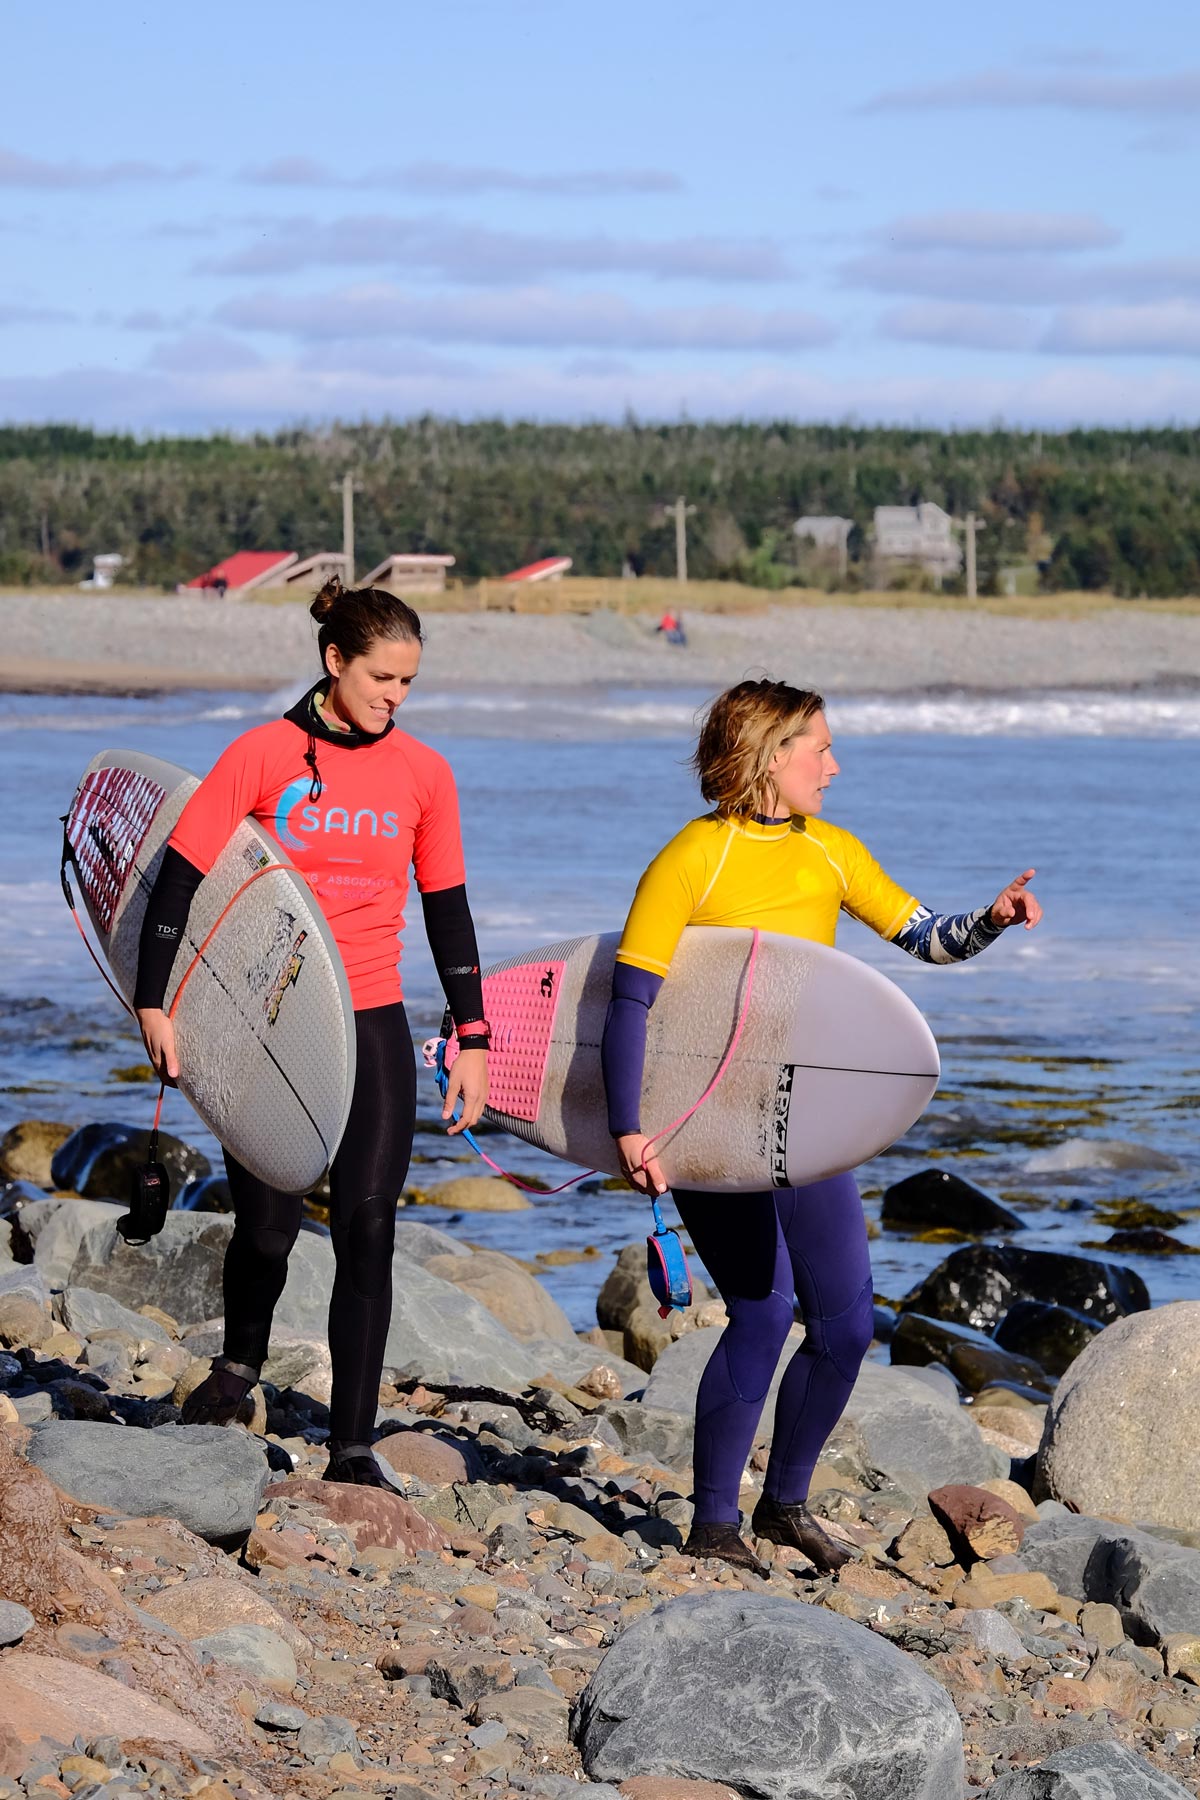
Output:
x=526 y=317
x=1172 y=329
x=461 y=179
x=1150 y=95
x=475 y=253
x=961 y=327
x=19 y=171
x=997 y=278
x=1014 y=232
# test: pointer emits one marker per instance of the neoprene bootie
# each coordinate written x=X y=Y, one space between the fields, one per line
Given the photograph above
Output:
x=793 y=1526
x=356 y=1464
x=219 y=1398
x=726 y=1543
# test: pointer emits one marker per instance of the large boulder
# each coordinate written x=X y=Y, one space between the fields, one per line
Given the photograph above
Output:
x=912 y=1426
x=1051 y=1335
x=935 y=1199
x=626 y=1291
x=1104 y=1771
x=510 y=1293
x=1153 y=1582
x=783 y=1700
x=972 y=1357
x=51 y=1231
x=179 y=1269
x=99 y=1161
x=979 y=1283
x=85 y=1311
x=48 y=1697
x=418 y=1241
x=27 y=1150
x=1122 y=1435
x=478 y=1193
x=209 y=1479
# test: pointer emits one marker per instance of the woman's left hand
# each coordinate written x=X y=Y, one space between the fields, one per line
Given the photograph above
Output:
x=1016 y=905
x=468 y=1080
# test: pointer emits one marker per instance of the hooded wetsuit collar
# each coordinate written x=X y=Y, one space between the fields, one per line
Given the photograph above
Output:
x=307 y=716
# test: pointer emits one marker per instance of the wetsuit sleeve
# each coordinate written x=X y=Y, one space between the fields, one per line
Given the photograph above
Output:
x=623 y=1045
x=166 y=915
x=871 y=895
x=451 y=933
x=947 y=937
x=437 y=840
x=667 y=897
x=229 y=792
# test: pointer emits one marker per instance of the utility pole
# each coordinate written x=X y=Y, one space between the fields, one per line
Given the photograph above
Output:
x=971 y=526
x=681 y=509
x=349 y=487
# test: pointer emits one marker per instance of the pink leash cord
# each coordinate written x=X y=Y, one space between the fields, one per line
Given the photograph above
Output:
x=683 y=1118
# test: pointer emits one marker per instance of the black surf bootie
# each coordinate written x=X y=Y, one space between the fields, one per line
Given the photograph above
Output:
x=356 y=1465
x=221 y=1395
x=793 y=1526
x=726 y=1544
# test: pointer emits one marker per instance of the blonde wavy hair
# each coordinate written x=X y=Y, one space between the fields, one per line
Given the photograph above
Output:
x=742 y=730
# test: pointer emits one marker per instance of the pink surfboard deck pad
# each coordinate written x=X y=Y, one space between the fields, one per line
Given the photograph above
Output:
x=520 y=1004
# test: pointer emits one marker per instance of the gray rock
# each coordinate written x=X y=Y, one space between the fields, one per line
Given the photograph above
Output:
x=779 y=1699
x=209 y=1479
x=34 y=1409
x=1106 y=1771
x=255 y=1649
x=417 y=1243
x=571 y=1360
x=442 y=1334
x=991 y=1632
x=1122 y=1436
x=56 y=1228
x=23 y=1278
x=656 y=1432
x=1154 y=1584
x=326 y=1736
x=488 y=1735
x=15 y=1621
x=180 y=1268
x=277 y=1715
x=86 y=1311
x=676 y=1375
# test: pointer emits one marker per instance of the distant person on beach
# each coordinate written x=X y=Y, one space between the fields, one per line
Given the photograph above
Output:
x=764 y=857
x=671 y=627
x=335 y=754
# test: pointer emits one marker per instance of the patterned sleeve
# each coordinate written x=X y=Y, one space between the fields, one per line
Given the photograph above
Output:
x=947 y=937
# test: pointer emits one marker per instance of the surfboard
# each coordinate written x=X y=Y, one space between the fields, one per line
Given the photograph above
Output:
x=834 y=1062
x=264 y=1024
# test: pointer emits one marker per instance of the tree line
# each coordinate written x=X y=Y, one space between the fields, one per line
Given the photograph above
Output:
x=1091 y=509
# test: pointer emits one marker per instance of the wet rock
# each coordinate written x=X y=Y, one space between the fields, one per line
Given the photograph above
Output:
x=253 y=1649
x=211 y=1480
x=47 y=1697
x=478 y=1193
x=1123 y=1430
x=27 y=1150
x=1101 y=1153
x=1146 y=1240
x=510 y=1293
x=1050 y=1335
x=978 y=1284
x=779 y=1710
x=973 y=1358
x=1105 y=1771
x=936 y=1198
x=15 y=1623
x=373 y=1517
x=207 y=1193
x=99 y=1161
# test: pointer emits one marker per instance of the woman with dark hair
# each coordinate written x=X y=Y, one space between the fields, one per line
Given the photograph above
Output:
x=356 y=802
x=765 y=858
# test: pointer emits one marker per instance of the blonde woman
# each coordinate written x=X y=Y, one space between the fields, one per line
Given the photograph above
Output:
x=764 y=857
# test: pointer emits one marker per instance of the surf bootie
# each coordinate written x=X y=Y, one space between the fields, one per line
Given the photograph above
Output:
x=726 y=1543
x=356 y=1464
x=220 y=1396
x=793 y=1526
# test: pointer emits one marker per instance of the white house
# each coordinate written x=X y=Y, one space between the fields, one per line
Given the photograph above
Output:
x=922 y=534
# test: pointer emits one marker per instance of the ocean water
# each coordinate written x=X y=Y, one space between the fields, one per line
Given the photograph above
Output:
x=1071 y=1067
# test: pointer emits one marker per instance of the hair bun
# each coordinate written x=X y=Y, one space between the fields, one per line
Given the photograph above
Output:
x=327 y=598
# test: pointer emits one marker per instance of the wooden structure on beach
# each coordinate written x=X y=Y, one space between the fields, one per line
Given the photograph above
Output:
x=410 y=572
x=550 y=568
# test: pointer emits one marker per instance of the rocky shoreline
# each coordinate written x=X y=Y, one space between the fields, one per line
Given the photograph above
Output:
x=186 y=1611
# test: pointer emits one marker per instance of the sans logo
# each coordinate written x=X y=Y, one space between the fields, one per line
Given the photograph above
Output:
x=296 y=829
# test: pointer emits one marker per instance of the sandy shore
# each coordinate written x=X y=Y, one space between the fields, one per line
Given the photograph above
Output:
x=73 y=643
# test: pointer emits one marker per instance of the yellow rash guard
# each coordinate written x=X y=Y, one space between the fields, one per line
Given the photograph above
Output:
x=793 y=878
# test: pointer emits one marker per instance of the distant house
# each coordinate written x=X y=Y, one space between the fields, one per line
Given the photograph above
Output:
x=921 y=534
x=410 y=573
x=551 y=568
x=826 y=530
x=244 y=571
x=105 y=568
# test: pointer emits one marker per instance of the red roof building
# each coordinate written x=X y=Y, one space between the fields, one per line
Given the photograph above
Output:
x=246 y=569
x=551 y=568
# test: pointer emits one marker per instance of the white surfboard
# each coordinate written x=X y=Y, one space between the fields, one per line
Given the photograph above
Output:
x=264 y=1025
x=834 y=1062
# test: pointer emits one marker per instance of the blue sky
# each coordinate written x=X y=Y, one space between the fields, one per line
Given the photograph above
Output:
x=241 y=216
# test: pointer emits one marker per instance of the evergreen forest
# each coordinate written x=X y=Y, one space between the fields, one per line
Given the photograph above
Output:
x=1083 y=509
